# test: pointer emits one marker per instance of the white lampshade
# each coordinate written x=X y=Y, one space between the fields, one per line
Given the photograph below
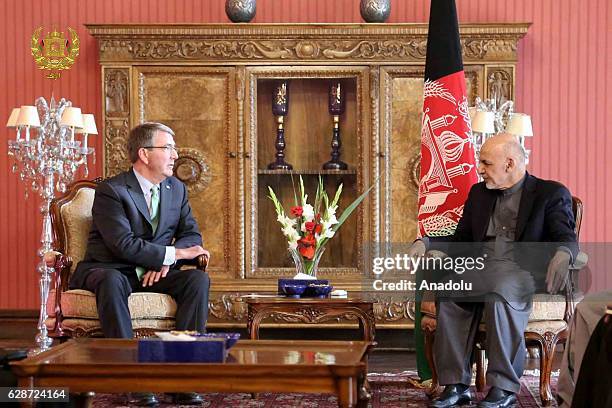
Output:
x=520 y=125
x=12 y=122
x=72 y=117
x=89 y=125
x=472 y=111
x=483 y=122
x=28 y=116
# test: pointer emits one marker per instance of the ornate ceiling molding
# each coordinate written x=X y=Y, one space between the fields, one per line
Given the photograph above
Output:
x=282 y=43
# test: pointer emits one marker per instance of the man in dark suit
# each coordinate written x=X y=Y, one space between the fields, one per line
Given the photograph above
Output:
x=142 y=231
x=505 y=215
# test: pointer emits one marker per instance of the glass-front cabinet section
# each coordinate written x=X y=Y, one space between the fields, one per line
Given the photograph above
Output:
x=297 y=115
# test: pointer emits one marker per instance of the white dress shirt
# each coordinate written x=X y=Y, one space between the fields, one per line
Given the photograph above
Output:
x=146 y=186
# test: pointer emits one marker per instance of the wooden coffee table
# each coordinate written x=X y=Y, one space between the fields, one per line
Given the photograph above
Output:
x=111 y=366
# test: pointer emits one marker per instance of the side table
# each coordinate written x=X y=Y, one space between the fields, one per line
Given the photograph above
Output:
x=310 y=311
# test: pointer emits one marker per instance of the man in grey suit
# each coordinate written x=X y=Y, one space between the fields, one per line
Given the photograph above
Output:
x=142 y=231
x=505 y=218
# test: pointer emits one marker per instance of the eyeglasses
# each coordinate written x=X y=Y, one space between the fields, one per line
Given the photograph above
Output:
x=168 y=148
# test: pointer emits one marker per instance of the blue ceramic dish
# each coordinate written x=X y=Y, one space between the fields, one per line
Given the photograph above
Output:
x=293 y=290
x=230 y=338
x=308 y=292
x=320 y=291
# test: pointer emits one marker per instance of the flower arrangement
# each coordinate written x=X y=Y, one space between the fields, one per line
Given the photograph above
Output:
x=309 y=227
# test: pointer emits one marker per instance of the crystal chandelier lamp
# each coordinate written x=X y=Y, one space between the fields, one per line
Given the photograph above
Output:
x=46 y=156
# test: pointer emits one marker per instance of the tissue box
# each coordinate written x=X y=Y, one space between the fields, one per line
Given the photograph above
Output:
x=309 y=292
x=199 y=350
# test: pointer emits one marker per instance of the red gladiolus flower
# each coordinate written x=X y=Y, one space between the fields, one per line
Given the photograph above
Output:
x=318 y=229
x=306 y=246
x=310 y=226
x=297 y=211
x=307 y=252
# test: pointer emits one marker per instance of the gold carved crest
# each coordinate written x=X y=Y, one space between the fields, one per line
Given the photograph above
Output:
x=55 y=53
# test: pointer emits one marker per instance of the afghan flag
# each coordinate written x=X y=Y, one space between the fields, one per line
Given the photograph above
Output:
x=448 y=166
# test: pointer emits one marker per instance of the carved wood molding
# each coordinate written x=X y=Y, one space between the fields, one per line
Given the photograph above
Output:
x=388 y=43
x=230 y=308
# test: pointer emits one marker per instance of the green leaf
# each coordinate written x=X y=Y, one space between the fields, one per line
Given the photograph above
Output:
x=351 y=207
x=337 y=196
x=302 y=195
x=347 y=212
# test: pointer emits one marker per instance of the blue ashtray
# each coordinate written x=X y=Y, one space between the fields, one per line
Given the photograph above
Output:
x=293 y=290
x=320 y=290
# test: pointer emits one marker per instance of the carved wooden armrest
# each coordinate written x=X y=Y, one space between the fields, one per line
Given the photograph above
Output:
x=580 y=262
x=200 y=262
x=61 y=265
x=570 y=290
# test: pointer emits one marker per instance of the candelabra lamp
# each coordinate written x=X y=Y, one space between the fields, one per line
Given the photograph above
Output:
x=47 y=163
x=280 y=108
x=336 y=108
x=487 y=120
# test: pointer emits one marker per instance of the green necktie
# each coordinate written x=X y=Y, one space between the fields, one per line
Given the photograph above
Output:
x=154 y=207
x=140 y=271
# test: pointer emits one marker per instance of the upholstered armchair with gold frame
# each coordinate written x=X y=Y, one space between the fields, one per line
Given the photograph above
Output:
x=548 y=325
x=73 y=313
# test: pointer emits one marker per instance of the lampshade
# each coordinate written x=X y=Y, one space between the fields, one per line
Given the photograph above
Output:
x=89 y=125
x=520 y=125
x=12 y=121
x=28 y=116
x=472 y=111
x=484 y=122
x=72 y=117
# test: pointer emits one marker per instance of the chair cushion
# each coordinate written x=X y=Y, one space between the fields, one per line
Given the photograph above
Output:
x=88 y=325
x=78 y=303
x=547 y=307
x=549 y=326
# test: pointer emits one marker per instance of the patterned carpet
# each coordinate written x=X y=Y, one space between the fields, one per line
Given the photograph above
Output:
x=389 y=390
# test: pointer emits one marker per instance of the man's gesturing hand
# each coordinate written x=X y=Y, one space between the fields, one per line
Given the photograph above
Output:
x=151 y=277
x=558 y=269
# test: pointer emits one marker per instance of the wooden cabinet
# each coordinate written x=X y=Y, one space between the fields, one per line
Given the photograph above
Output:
x=213 y=84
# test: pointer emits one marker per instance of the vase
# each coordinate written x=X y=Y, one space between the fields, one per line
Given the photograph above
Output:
x=304 y=268
x=240 y=11
x=375 y=11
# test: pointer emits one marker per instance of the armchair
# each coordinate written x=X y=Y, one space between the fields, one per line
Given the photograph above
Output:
x=73 y=313
x=548 y=325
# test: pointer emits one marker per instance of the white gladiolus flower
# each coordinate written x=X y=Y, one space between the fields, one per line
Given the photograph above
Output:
x=308 y=213
x=285 y=221
x=291 y=233
x=293 y=245
x=330 y=220
x=328 y=233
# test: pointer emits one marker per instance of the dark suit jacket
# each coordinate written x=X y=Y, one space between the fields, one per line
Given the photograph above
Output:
x=545 y=216
x=121 y=234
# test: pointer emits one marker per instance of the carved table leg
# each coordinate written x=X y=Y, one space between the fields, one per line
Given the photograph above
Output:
x=82 y=399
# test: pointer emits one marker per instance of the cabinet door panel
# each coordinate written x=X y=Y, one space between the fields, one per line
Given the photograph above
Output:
x=198 y=104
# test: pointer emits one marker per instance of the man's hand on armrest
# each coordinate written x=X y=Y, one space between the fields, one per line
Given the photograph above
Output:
x=191 y=253
x=417 y=249
x=558 y=269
